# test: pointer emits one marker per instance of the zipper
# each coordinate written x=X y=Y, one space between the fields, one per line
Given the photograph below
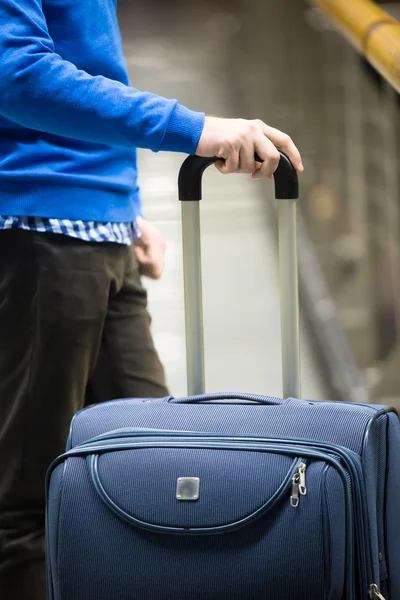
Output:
x=295 y=498
x=302 y=475
x=374 y=593
x=298 y=485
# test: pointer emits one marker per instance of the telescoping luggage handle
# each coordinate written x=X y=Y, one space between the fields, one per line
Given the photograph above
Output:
x=286 y=191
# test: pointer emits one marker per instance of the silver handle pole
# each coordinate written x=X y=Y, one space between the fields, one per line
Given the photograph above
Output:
x=286 y=189
x=193 y=297
x=289 y=294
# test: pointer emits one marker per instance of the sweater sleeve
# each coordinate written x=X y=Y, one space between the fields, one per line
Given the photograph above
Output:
x=39 y=90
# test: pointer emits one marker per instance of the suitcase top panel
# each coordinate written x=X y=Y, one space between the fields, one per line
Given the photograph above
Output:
x=338 y=423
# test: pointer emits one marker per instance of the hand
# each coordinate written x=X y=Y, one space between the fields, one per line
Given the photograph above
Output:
x=150 y=250
x=237 y=140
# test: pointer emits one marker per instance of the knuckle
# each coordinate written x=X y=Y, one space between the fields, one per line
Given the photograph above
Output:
x=225 y=148
x=246 y=129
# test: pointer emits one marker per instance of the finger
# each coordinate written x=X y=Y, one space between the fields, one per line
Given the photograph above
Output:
x=231 y=164
x=152 y=261
x=286 y=144
x=268 y=152
x=256 y=169
x=158 y=270
x=158 y=262
x=140 y=242
x=141 y=255
x=153 y=272
x=147 y=269
x=256 y=172
x=247 y=164
x=219 y=164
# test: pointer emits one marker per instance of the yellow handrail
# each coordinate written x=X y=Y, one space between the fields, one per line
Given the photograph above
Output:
x=371 y=30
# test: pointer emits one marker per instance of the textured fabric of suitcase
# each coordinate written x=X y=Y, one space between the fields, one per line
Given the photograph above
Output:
x=116 y=528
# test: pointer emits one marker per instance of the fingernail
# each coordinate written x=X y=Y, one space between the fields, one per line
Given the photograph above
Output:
x=301 y=167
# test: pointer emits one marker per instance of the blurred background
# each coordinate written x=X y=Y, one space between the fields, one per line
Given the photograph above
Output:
x=329 y=77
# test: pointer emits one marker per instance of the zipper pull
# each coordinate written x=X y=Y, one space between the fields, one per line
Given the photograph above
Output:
x=302 y=484
x=295 y=498
x=374 y=592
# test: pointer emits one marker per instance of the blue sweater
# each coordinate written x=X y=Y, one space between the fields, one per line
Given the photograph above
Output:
x=70 y=122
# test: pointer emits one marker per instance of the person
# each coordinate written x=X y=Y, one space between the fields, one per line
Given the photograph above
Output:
x=74 y=326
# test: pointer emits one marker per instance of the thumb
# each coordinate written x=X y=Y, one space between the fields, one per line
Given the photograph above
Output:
x=141 y=255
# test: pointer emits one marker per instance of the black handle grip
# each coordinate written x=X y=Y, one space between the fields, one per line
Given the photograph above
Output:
x=191 y=174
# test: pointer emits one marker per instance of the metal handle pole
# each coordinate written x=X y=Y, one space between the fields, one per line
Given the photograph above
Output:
x=193 y=298
x=289 y=298
x=286 y=192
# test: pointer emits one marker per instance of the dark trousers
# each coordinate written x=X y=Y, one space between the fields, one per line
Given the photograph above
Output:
x=74 y=329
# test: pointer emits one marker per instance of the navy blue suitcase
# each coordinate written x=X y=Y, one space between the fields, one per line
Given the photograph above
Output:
x=227 y=496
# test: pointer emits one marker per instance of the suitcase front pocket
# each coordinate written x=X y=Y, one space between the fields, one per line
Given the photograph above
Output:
x=252 y=521
x=196 y=491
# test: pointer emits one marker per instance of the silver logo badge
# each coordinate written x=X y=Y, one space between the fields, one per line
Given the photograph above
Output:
x=188 y=488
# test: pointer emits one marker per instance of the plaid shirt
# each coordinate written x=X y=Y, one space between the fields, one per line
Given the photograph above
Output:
x=89 y=231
